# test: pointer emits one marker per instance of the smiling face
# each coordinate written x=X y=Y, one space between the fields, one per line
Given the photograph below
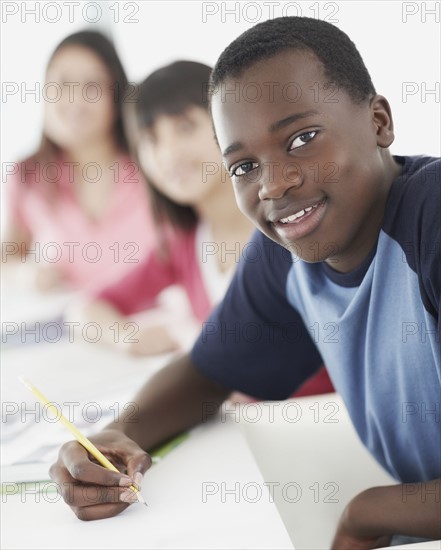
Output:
x=180 y=156
x=309 y=166
x=85 y=111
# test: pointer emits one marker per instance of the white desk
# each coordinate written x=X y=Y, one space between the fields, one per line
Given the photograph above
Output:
x=301 y=448
x=177 y=516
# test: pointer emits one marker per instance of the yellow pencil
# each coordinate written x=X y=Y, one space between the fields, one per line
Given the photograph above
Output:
x=88 y=445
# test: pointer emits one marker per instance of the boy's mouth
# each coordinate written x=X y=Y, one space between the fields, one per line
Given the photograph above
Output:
x=300 y=214
x=301 y=222
x=290 y=216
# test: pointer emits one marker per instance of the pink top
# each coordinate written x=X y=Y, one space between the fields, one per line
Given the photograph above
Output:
x=138 y=290
x=90 y=253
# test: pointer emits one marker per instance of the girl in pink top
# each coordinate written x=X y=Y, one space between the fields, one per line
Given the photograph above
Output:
x=197 y=219
x=78 y=207
x=201 y=228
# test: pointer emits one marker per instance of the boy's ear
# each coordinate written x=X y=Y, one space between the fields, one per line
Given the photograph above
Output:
x=382 y=120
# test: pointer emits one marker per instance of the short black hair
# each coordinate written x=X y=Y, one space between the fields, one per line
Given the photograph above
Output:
x=343 y=64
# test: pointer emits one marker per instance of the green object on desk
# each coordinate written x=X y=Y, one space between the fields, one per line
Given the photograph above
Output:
x=49 y=486
x=163 y=450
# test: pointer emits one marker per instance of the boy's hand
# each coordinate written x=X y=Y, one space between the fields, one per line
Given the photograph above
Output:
x=353 y=532
x=345 y=540
x=92 y=491
x=378 y=513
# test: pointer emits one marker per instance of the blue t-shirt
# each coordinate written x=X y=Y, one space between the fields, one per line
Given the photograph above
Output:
x=377 y=328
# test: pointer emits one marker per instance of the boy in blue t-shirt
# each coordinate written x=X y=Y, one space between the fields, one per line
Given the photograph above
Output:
x=348 y=241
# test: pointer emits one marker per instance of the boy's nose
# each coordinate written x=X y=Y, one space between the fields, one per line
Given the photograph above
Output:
x=278 y=177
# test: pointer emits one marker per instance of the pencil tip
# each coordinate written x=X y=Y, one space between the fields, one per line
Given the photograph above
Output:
x=140 y=499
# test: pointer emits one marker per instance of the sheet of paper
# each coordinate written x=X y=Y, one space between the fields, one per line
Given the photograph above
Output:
x=21 y=303
x=208 y=493
x=90 y=384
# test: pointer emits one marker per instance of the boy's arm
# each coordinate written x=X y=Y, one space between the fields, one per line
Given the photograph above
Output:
x=177 y=398
x=375 y=515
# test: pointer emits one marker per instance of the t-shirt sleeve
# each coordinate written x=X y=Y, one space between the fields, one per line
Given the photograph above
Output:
x=418 y=230
x=430 y=254
x=139 y=289
x=428 y=240
x=255 y=341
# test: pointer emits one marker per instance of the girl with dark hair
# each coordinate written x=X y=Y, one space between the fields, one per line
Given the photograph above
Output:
x=79 y=206
x=201 y=232
x=204 y=233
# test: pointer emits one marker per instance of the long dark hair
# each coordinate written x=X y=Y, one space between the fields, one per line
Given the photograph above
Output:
x=171 y=90
x=100 y=45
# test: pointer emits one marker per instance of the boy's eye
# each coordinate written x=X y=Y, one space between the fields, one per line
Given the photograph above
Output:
x=243 y=168
x=303 y=139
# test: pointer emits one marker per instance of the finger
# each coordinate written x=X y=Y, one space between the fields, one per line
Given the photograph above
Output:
x=81 y=468
x=130 y=458
x=60 y=474
x=102 y=511
x=137 y=464
x=77 y=494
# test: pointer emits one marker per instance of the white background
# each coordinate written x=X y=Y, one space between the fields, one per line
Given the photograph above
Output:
x=399 y=42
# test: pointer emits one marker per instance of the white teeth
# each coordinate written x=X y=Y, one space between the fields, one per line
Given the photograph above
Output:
x=298 y=214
